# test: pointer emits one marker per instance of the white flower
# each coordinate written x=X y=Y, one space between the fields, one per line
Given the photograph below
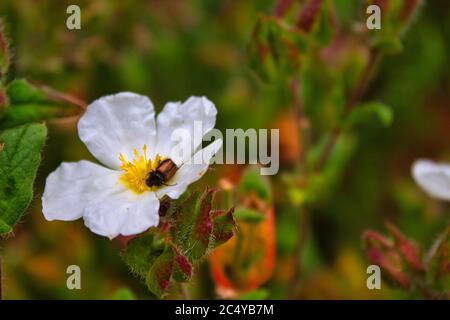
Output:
x=121 y=132
x=434 y=178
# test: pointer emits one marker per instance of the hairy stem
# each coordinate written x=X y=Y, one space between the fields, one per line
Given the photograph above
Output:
x=64 y=97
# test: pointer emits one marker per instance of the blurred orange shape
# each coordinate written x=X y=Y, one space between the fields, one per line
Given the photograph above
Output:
x=246 y=261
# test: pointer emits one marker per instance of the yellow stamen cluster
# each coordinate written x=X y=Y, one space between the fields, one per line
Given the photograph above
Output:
x=135 y=172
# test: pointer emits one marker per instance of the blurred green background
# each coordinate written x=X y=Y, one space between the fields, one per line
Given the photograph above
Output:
x=172 y=49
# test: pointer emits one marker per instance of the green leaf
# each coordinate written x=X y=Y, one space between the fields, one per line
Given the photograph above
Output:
x=182 y=267
x=367 y=111
x=258 y=294
x=323 y=31
x=141 y=253
x=387 y=44
x=201 y=232
x=249 y=215
x=29 y=104
x=252 y=181
x=21 y=91
x=20 y=156
x=123 y=294
x=223 y=227
x=158 y=277
x=275 y=48
x=183 y=216
x=321 y=184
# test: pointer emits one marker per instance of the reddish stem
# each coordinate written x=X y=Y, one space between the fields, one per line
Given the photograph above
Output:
x=308 y=15
x=281 y=7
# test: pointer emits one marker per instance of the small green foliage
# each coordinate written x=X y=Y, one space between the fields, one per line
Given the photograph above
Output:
x=252 y=181
x=159 y=274
x=363 y=113
x=123 y=294
x=182 y=267
x=20 y=91
x=200 y=235
x=396 y=17
x=248 y=215
x=182 y=218
x=29 y=104
x=20 y=155
x=275 y=48
x=194 y=228
x=223 y=227
x=259 y=294
x=141 y=253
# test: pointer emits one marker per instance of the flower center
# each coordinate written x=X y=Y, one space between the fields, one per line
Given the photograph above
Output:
x=136 y=171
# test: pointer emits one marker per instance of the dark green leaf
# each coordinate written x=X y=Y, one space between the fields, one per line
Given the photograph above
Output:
x=29 y=104
x=141 y=253
x=275 y=49
x=20 y=91
x=183 y=216
x=20 y=156
x=182 y=267
x=223 y=227
x=201 y=232
x=158 y=277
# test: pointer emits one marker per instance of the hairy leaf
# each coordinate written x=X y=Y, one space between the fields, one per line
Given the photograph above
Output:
x=201 y=232
x=20 y=155
x=141 y=253
x=29 y=104
x=182 y=267
x=158 y=277
x=223 y=227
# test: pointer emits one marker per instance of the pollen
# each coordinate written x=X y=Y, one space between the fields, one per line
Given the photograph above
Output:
x=136 y=171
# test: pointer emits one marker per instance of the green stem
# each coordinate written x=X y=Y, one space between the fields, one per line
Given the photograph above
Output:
x=303 y=231
x=354 y=97
x=304 y=221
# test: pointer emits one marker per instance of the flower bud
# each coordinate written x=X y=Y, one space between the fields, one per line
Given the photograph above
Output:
x=382 y=252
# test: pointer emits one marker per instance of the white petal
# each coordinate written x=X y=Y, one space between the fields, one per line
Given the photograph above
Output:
x=117 y=124
x=122 y=212
x=196 y=114
x=433 y=178
x=71 y=186
x=190 y=172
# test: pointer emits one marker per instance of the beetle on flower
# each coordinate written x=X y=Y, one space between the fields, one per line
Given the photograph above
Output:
x=122 y=197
